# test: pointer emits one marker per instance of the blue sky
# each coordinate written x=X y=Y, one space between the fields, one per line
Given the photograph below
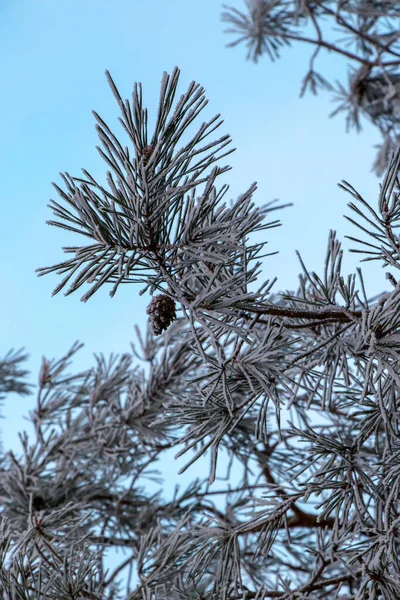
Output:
x=54 y=57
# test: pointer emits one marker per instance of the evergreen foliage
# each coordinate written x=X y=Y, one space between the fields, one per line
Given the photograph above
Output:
x=315 y=514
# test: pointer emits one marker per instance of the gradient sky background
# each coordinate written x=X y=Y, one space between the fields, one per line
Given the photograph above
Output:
x=54 y=57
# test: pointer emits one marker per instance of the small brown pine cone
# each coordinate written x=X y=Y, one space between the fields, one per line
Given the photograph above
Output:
x=146 y=154
x=161 y=311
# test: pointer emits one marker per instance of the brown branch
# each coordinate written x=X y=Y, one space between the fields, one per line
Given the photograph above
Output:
x=295 y=325
x=335 y=314
x=365 y=36
x=112 y=541
x=309 y=588
x=323 y=44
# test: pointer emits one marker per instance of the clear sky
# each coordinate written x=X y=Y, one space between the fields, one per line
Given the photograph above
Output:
x=54 y=54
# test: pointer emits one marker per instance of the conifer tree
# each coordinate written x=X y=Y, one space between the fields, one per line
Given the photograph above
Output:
x=315 y=513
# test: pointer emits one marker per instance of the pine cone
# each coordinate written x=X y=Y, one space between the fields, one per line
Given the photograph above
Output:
x=146 y=153
x=161 y=311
